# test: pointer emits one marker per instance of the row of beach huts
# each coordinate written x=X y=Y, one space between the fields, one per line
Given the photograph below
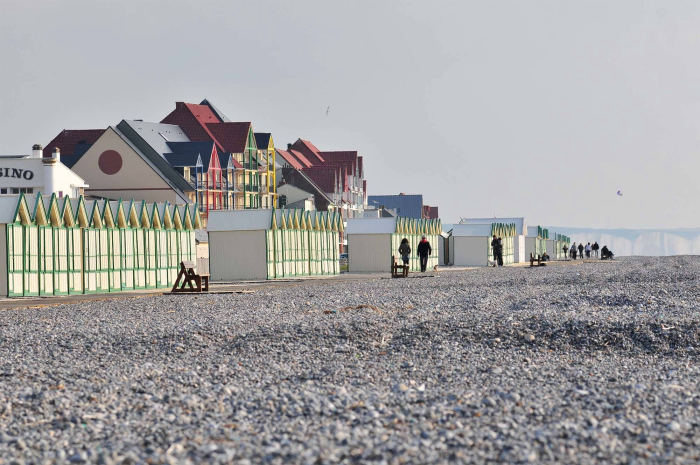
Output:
x=61 y=246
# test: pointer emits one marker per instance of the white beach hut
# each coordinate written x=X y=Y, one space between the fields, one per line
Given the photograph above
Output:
x=521 y=228
x=535 y=241
x=373 y=241
x=470 y=244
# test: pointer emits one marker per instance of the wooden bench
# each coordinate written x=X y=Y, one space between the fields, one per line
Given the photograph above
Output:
x=396 y=265
x=536 y=258
x=191 y=279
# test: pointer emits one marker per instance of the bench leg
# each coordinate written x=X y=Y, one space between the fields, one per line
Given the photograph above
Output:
x=206 y=283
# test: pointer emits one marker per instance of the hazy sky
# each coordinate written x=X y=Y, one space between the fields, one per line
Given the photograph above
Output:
x=542 y=109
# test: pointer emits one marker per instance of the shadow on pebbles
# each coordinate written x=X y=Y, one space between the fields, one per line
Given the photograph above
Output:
x=579 y=364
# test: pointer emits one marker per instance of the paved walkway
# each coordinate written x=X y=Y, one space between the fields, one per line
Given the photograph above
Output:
x=240 y=286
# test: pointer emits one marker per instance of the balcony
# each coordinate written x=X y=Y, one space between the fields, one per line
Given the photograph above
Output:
x=252 y=188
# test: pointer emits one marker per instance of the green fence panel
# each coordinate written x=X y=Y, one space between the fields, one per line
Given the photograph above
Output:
x=46 y=260
x=75 y=262
x=173 y=250
x=15 y=260
x=115 y=259
x=31 y=262
x=61 y=259
x=151 y=269
x=162 y=264
x=103 y=260
x=140 y=259
x=90 y=259
x=128 y=258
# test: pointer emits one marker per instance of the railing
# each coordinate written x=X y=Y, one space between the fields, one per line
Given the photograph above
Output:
x=252 y=188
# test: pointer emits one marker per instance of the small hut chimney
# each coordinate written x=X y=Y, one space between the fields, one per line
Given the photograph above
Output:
x=56 y=154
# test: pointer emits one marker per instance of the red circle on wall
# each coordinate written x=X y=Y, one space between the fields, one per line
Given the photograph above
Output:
x=110 y=162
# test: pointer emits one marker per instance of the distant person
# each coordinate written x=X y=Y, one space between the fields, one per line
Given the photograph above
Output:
x=545 y=257
x=572 y=251
x=580 y=250
x=566 y=250
x=494 y=248
x=606 y=253
x=595 y=247
x=405 y=251
x=500 y=251
x=588 y=250
x=424 y=251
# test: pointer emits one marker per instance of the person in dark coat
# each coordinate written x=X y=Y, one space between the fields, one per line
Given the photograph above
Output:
x=405 y=251
x=424 y=251
x=580 y=250
x=606 y=253
x=595 y=247
x=566 y=250
x=497 y=246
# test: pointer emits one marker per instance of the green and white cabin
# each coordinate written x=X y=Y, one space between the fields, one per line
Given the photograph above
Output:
x=272 y=244
x=59 y=246
x=470 y=244
x=556 y=244
x=536 y=241
x=373 y=241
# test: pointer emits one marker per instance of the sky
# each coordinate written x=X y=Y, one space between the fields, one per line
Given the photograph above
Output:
x=542 y=109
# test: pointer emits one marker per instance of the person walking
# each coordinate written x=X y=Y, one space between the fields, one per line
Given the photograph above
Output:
x=588 y=250
x=499 y=251
x=580 y=251
x=405 y=251
x=566 y=251
x=424 y=251
x=595 y=249
x=494 y=249
x=572 y=251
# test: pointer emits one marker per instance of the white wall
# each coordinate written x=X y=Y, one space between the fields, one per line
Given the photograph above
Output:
x=3 y=260
x=369 y=253
x=237 y=255
x=519 y=255
x=551 y=244
x=530 y=246
x=470 y=250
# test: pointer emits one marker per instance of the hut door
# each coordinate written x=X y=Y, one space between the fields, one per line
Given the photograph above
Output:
x=75 y=261
x=115 y=260
x=103 y=260
x=31 y=262
x=60 y=244
x=15 y=260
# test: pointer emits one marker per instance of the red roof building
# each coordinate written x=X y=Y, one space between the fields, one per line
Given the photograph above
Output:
x=68 y=139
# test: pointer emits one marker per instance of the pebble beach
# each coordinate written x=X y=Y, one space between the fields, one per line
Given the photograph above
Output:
x=591 y=363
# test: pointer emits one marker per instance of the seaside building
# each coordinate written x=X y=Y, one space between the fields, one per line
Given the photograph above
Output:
x=536 y=241
x=30 y=174
x=470 y=244
x=273 y=244
x=58 y=246
x=373 y=241
x=519 y=255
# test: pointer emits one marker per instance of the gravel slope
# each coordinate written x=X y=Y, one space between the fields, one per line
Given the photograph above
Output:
x=589 y=363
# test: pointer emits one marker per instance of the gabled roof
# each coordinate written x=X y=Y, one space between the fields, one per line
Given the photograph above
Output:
x=300 y=180
x=289 y=158
x=309 y=150
x=68 y=139
x=346 y=158
x=233 y=137
x=146 y=141
x=226 y=161
x=193 y=120
x=324 y=177
x=302 y=159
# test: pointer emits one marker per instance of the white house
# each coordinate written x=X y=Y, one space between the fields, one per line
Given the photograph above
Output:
x=31 y=174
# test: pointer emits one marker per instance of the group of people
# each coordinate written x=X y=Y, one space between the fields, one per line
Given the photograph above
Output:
x=590 y=251
x=424 y=251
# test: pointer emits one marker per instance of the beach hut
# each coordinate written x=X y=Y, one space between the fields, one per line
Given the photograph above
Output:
x=373 y=241
x=536 y=241
x=270 y=244
x=521 y=229
x=555 y=246
x=470 y=244
x=64 y=246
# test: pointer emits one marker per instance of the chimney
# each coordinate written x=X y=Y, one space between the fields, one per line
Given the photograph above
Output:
x=289 y=147
x=56 y=154
x=37 y=151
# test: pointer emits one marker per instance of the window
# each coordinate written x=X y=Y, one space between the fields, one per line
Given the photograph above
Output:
x=3 y=190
